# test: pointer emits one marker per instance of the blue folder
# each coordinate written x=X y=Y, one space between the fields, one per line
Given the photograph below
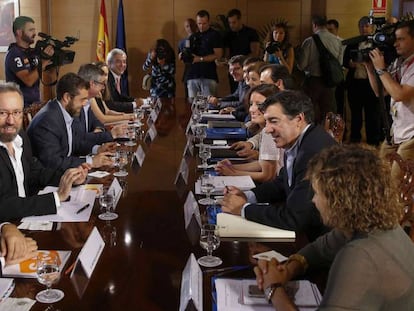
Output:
x=227 y=133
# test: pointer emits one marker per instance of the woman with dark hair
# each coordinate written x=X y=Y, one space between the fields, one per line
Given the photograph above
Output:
x=371 y=256
x=161 y=61
x=278 y=48
x=270 y=157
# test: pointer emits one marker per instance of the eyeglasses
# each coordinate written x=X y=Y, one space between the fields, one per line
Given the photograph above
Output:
x=15 y=114
x=100 y=83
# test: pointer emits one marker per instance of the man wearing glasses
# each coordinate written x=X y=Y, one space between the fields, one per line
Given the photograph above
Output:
x=22 y=175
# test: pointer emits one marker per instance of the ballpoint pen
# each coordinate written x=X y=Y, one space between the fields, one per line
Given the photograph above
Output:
x=82 y=209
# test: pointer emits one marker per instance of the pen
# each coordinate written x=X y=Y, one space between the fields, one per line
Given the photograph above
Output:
x=82 y=209
x=70 y=268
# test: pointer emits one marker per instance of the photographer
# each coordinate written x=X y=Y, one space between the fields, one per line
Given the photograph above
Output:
x=161 y=61
x=360 y=95
x=278 y=48
x=22 y=61
x=398 y=81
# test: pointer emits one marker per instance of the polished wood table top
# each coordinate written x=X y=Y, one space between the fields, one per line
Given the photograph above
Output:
x=146 y=247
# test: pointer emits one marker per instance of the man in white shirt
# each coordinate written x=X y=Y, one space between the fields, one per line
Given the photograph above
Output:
x=22 y=175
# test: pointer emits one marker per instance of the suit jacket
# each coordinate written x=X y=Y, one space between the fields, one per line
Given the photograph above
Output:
x=296 y=212
x=36 y=177
x=49 y=138
x=119 y=101
x=79 y=125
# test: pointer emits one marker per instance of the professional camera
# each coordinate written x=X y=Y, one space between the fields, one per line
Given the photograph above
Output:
x=161 y=54
x=61 y=56
x=192 y=46
x=273 y=47
x=383 y=39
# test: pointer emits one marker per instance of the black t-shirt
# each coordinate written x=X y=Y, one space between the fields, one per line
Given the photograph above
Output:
x=239 y=42
x=203 y=44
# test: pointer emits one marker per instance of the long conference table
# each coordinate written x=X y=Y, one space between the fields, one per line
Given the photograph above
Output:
x=148 y=246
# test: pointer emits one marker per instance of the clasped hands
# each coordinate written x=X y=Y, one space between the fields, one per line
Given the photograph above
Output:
x=269 y=272
x=233 y=200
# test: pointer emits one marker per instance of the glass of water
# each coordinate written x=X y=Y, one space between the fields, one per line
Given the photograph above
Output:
x=206 y=186
x=210 y=241
x=48 y=273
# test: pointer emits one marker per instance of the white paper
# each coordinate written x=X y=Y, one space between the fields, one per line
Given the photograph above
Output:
x=191 y=285
x=140 y=155
x=67 y=210
x=215 y=116
x=220 y=182
x=99 y=174
x=153 y=115
x=218 y=142
x=233 y=226
x=269 y=255
x=90 y=253
x=191 y=208
x=117 y=190
x=6 y=287
x=36 y=225
x=17 y=304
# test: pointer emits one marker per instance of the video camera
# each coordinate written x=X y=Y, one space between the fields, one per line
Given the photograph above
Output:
x=383 y=39
x=61 y=56
x=191 y=47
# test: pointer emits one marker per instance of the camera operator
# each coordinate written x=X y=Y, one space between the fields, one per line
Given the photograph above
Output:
x=360 y=95
x=22 y=61
x=398 y=81
x=206 y=47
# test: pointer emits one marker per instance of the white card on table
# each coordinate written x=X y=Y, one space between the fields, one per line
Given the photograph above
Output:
x=183 y=171
x=140 y=155
x=152 y=132
x=191 y=285
x=90 y=253
x=191 y=208
x=116 y=187
x=153 y=115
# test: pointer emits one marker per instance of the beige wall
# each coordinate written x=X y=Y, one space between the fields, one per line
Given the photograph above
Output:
x=146 y=21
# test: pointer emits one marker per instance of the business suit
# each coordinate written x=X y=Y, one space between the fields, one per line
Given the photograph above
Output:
x=297 y=212
x=48 y=135
x=119 y=101
x=79 y=126
x=36 y=177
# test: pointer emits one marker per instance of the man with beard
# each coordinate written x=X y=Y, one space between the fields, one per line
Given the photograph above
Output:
x=22 y=61
x=54 y=141
x=22 y=175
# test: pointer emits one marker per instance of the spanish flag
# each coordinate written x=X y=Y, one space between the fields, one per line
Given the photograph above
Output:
x=102 y=45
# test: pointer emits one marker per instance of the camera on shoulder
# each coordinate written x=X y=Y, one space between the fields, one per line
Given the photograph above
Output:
x=61 y=56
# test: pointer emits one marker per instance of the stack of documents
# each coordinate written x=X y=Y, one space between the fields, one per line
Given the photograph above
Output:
x=220 y=182
x=233 y=294
x=232 y=226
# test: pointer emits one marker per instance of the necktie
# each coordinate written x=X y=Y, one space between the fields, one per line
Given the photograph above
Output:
x=118 y=84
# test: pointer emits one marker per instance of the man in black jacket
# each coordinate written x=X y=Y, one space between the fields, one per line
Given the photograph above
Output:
x=22 y=175
x=289 y=117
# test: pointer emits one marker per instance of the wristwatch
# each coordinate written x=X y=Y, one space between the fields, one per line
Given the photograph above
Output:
x=380 y=72
x=270 y=290
x=201 y=59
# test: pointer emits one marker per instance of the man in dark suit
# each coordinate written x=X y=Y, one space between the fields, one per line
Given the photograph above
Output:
x=289 y=117
x=120 y=101
x=54 y=141
x=87 y=123
x=22 y=175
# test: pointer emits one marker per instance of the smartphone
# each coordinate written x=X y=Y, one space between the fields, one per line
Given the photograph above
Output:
x=254 y=291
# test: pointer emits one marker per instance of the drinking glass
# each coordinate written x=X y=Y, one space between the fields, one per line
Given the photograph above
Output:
x=206 y=186
x=106 y=201
x=201 y=133
x=131 y=136
x=122 y=160
x=48 y=273
x=204 y=152
x=210 y=241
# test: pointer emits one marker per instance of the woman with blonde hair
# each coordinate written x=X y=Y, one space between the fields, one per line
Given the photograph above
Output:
x=99 y=107
x=369 y=253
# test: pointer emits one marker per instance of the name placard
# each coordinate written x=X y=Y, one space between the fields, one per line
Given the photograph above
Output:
x=191 y=297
